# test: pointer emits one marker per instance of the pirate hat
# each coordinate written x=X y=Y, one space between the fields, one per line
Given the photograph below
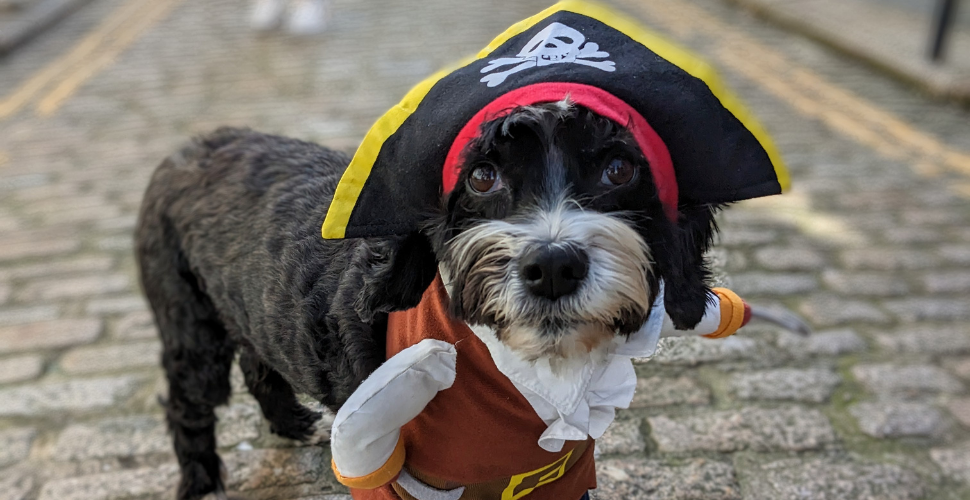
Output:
x=703 y=146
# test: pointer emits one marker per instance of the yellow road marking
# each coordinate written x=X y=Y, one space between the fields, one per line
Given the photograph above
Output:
x=3 y=158
x=121 y=40
x=796 y=207
x=81 y=52
x=963 y=189
x=809 y=93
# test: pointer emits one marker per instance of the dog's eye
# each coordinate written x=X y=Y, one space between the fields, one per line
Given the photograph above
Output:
x=618 y=172
x=484 y=179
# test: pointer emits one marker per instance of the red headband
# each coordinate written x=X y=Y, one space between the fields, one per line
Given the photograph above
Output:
x=597 y=100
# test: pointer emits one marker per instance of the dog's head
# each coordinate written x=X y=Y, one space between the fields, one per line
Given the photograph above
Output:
x=556 y=237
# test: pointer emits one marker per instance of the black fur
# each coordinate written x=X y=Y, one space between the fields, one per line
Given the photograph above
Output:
x=232 y=261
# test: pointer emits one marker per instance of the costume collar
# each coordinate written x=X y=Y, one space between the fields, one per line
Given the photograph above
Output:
x=578 y=399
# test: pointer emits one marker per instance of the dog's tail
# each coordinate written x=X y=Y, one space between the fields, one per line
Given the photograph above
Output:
x=223 y=136
x=203 y=146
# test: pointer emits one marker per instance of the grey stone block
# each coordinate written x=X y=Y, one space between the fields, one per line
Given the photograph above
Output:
x=62 y=288
x=950 y=282
x=255 y=469
x=828 y=479
x=865 y=284
x=20 y=369
x=948 y=339
x=741 y=237
x=749 y=284
x=667 y=391
x=956 y=254
x=792 y=384
x=135 y=325
x=960 y=408
x=892 y=419
x=238 y=422
x=906 y=380
x=91 y=263
x=829 y=343
x=15 y=444
x=115 y=305
x=691 y=351
x=622 y=437
x=15 y=250
x=132 y=483
x=16 y=483
x=640 y=479
x=84 y=360
x=955 y=462
x=73 y=395
x=961 y=367
x=31 y=314
x=887 y=259
x=49 y=334
x=759 y=429
x=789 y=259
x=911 y=235
x=929 y=309
x=117 y=437
x=830 y=311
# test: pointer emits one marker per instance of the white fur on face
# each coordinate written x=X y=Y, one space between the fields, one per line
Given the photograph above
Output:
x=487 y=255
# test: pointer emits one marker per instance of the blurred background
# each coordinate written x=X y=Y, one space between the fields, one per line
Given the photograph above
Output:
x=871 y=246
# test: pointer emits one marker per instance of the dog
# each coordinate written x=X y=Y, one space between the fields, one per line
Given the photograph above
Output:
x=554 y=237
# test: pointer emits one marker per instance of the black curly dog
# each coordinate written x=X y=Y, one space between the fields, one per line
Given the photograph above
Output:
x=232 y=261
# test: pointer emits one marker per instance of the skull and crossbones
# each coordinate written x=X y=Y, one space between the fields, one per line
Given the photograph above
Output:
x=556 y=44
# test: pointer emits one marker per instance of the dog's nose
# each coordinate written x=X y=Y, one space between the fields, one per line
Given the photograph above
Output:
x=553 y=271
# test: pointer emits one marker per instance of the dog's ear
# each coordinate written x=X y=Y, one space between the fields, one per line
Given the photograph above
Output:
x=396 y=272
x=680 y=262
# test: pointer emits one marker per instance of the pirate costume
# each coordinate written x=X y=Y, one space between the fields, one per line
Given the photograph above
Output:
x=453 y=413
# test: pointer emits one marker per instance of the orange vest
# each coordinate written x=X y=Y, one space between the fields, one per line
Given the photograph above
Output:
x=481 y=433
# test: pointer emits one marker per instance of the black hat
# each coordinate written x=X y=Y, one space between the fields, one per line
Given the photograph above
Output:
x=702 y=145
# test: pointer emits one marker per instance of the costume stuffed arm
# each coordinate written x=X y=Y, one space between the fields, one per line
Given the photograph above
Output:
x=365 y=442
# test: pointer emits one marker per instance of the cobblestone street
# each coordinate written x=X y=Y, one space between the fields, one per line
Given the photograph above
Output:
x=872 y=246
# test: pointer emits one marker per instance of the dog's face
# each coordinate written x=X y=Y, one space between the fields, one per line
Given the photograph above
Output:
x=555 y=236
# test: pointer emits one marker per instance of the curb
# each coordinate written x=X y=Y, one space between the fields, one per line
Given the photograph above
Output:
x=939 y=84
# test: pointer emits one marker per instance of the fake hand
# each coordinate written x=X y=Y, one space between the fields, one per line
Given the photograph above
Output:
x=726 y=313
x=365 y=441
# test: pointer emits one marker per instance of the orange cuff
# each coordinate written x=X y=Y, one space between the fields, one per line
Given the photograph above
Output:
x=735 y=313
x=387 y=473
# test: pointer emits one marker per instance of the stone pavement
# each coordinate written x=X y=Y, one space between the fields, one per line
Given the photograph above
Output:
x=872 y=245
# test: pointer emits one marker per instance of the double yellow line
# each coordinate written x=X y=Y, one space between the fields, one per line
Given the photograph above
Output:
x=809 y=93
x=59 y=80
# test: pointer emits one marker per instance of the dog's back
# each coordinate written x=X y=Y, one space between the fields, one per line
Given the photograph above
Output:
x=231 y=259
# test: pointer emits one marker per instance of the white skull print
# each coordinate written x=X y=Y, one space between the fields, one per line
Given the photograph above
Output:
x=555 y=44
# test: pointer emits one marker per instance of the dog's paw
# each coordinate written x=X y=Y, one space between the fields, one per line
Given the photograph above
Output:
x=222 y=496
x=297 y=425
x=321 y=431
x=685 y=314
x=199 y=481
